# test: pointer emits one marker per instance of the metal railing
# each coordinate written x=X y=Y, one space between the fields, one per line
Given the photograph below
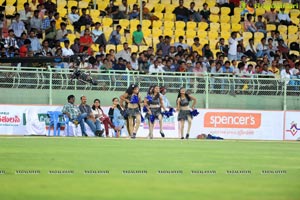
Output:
x=207 y=83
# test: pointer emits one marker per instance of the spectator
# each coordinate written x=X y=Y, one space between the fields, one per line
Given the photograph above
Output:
x=67 y=51
x=10 y=40
x=76 y=46
x=120 y=65
x=114 y=12
x=51 y=32
x=84 y=20
x=284 y=18
x=33 y=5
x=125 y=53
x=194 y=14
x=58 y=20
x=251 y=50
x=36 y=24
x=50 y=6
x=205 y=13
x=24 y=49
x=147 y=14
x=134 y=13
x=134 y=61
x=62 y=33
x=73 y=16
x=271 y=16
x=101 y=50
x=166 y=46
x=220 y=45
x=90 y=118
x=260 y=25
x=155 y=68
x=46 y=23
x=21 y=40
x=25 y=15
x=249 y=25
x=207 y=52
x=98 y=36
x=274 y=68
x=138 y=36
x=86 y=41
x=196 y=46
x=181 y=12
x=45 y=48
x=180 y=42
x=115 y=36
x=124 y=9
x=74 y=114
x=261 y=48
x=233 y=42
x=161 y=42
x=18 y=26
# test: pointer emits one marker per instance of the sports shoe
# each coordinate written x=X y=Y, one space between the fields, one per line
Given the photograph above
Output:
x=162 y=134
x=187 y=136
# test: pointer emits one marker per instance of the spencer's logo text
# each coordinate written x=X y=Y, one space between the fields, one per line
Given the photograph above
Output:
x=232 y=120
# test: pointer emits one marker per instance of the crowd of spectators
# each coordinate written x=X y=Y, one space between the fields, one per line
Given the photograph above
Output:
x=39 y=30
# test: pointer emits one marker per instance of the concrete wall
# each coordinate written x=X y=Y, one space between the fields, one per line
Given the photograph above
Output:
x=254 y=102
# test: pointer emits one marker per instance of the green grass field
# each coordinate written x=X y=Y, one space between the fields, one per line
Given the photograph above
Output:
x=19 y=155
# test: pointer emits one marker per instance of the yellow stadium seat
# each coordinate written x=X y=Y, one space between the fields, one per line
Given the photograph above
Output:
x=94 y=13
x=202 y=26
x=168 y=32
x=203 y=41
x=157 y=24
x=294 y=52
x=260 y=11
x=237 y=11
x=124 y=23
x=147 y=32
x=101 y=6
x=156 y=32
x=225 y=10
x=168 y=24
x=259 y=35
x=271 y=27
x=95 y=47
x=133 y=23
x=170 y=8
x=146 y=23
x=213 y=35
x=159 y=15
x=107 y=21
x=83 y=4
x=159 y=7
x=294 y=12
x=107 y=31
x=293 y=38
x=247 y=36
x=225 y=27
x=144 y=48
x=214 y=18
x=202 y=34
x=190 y=34
x=60 y=4
x=225 y=19
x=179 y=25
x=235 y=19
x=225 y=35
x=292 y=29
x=282 y=29
x=72 y=3
x=120 y=47
x=179 y=32
x=134 y=48
x=169 y=17
x=210 y=3
x=10 y=2
x=166 y=2
x=215 y=10
x=214 y=26
x=109 y=47
x=236 y=27
x=10 y=10
x=191 y=26
x=295 y=20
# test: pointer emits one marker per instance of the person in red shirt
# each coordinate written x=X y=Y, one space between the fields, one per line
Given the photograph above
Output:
x=86 y=41
x=24 y=48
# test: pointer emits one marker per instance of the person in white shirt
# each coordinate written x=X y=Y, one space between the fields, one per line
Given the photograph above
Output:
x=73 y=16
x=284 y=17
x=285 y=75
x=261 y=48
x=155 y=68
x=10 y=40
x=134 y=61
x=25 y=14
x=18 y=26
x=62 y=33
x=125 y=53
x=97 y=35
x=67 y=51
x=180 y=42
x=233 y=42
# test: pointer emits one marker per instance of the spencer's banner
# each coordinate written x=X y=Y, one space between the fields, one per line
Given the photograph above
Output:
x=229 y=124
